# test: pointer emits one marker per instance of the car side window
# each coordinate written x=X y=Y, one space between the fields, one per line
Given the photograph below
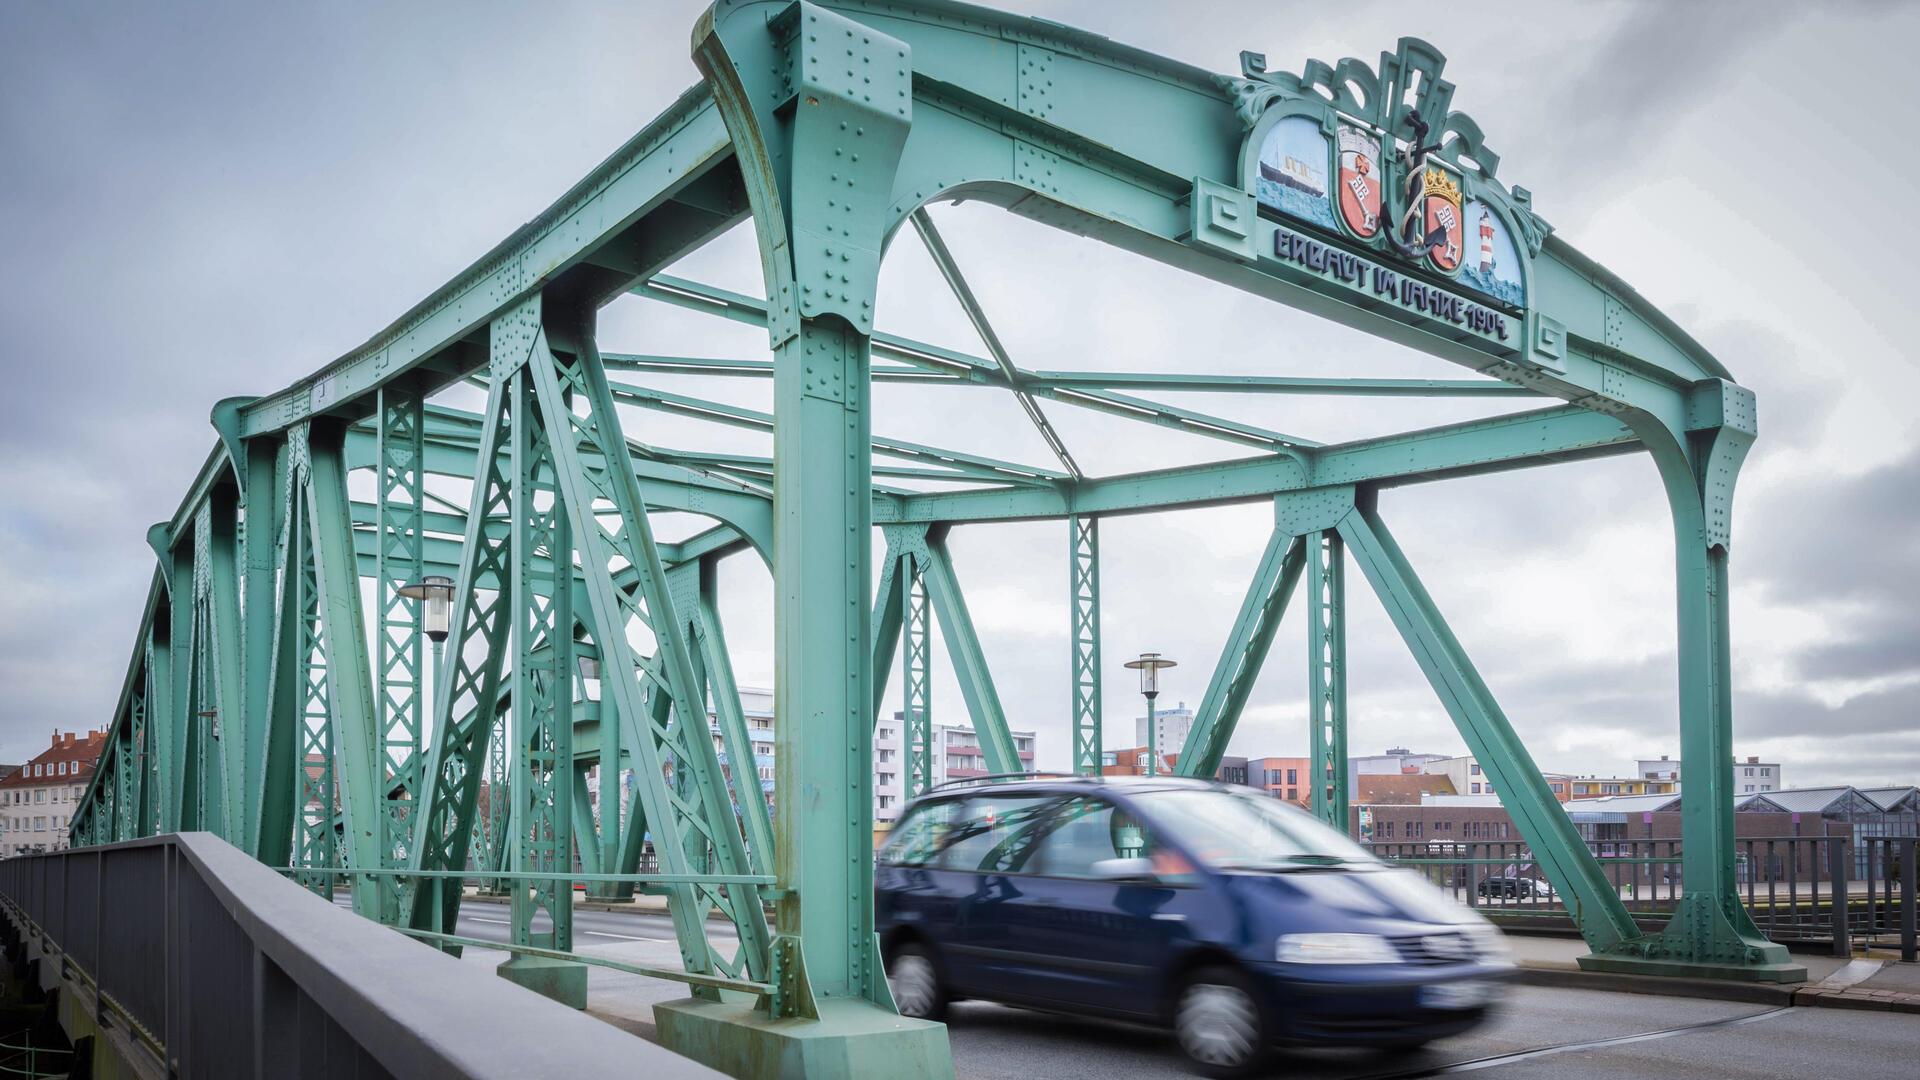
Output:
x=918 y=839
x=996 y=833
x=1087 y=831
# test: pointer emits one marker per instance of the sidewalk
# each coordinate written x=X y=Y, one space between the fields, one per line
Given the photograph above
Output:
x=1832 y=982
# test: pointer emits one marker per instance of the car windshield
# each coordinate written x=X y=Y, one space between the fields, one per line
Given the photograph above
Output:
x=1248 y=832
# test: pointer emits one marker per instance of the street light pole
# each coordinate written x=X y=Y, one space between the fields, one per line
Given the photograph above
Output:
x=1148 y=664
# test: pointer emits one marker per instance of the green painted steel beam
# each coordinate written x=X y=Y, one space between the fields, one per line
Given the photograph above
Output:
x=936 y=246
x=936 y=359
x=968 y=657
x=1245 y=651
x=1550 y=834
x=1273 y=384
x=1521 y=440
x=583 y=236
x=353 y=722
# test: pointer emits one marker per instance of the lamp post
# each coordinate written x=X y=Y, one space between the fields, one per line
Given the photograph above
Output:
x=1148 y=665
x=435 y=592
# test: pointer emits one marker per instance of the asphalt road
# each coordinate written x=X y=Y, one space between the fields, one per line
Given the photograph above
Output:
x=1539 y=1032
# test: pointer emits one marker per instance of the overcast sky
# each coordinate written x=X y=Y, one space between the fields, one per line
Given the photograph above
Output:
x=206 y=200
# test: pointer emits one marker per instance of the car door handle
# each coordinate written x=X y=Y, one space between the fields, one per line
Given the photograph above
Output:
x=1169 y=916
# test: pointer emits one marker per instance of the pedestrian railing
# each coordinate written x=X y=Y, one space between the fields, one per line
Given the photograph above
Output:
x=189 y=958
x=1798 y=888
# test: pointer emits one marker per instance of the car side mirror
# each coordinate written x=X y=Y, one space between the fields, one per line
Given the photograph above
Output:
x=1135 y=869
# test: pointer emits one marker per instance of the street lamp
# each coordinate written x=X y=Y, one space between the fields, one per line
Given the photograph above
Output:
x=435 y=593
x=1149 y=665
x=589 y=676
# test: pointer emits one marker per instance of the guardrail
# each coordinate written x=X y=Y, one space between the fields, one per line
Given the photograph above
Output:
x=191 y=959
x=1804 y=888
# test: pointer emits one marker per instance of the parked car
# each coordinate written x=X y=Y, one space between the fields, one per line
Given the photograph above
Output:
x=1236 y=920
x=1511 y=883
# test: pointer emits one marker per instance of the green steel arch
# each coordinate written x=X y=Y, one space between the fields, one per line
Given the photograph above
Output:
x=256 y=703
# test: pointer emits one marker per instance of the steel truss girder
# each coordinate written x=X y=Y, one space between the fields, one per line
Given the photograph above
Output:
x=1083 y=584
x=1246 y=650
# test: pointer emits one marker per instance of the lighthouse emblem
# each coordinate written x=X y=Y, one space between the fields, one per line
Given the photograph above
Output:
x=1486 y=241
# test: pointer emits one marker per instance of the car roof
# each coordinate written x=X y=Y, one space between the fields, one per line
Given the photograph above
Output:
x=1051 y=785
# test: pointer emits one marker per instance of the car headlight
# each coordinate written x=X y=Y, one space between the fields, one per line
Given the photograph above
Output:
x=1335 y=949
x=1489 y=943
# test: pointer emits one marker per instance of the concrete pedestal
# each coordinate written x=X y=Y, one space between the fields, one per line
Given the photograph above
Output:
x=562 y=980
x=1783 y=972
x=851 y=1038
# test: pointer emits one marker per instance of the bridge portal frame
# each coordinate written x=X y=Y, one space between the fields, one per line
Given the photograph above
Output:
x=830 y=127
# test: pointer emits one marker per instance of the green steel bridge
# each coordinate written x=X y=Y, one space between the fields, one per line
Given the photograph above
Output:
x=263 y=702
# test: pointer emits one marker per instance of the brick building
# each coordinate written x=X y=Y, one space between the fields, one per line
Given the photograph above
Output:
x=38 y=801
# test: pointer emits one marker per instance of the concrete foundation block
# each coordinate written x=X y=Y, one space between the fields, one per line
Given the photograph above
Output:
x=851 y=1038
x=562 y=980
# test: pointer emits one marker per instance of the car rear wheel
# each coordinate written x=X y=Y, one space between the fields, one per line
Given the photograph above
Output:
x=1218 y=1024
x=915 y=982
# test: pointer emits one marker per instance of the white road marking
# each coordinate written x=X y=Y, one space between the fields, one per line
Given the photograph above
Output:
x=623 y=937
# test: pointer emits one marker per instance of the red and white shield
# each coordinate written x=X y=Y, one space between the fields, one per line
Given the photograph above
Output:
x=1444 y=220
x=1360 y=181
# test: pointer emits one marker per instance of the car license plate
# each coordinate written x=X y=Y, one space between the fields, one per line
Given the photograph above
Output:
x=1456 y=995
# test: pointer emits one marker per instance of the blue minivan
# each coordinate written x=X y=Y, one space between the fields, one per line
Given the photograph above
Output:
x=1237 y=920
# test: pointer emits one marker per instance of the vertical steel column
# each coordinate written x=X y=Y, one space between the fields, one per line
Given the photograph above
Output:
x=200 y=802
x=282 y=662
x=1084 y=591
x=170 y=710
x=399 y=531
x=227 y=727
x=263 y=508
x=159 y=700
x=917 y=680
x=541 y=728
x=343 y=634
x=1327 y=674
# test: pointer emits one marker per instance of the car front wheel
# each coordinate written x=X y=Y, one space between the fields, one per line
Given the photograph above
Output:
x=915 y=983
x=1218 y=1024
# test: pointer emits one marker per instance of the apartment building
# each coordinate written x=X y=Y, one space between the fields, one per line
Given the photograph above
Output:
x=37 y=801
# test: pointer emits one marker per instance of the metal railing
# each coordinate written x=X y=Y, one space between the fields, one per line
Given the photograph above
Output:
x=1795 y=888
x=192 y=959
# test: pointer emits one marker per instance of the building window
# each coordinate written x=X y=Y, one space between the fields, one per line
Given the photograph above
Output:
x=1474 y=768
x=1558 y=788
x=1749 y=787
x=1766 y=770
x=1476 y=789
x=1293 y=794
x=1749 y=770
x=1386 y=830
x=886 y=801
x=1293 y=776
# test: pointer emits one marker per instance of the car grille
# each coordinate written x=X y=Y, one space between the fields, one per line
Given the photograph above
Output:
x=1437 y=948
